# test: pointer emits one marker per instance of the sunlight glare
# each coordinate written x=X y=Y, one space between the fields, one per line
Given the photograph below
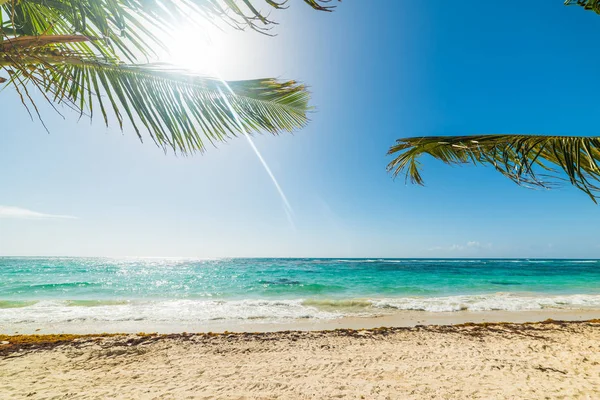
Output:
x=201 y=49
x=208 y=50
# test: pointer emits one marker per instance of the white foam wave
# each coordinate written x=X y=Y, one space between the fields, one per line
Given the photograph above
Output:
x=491 y=302
x=583 y=261
x=166 y=311
x=198 y=311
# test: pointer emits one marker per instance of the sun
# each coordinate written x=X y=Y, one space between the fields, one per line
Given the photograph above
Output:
x=200 y=49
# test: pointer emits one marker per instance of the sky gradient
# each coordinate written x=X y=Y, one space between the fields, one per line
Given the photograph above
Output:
x=406 y=69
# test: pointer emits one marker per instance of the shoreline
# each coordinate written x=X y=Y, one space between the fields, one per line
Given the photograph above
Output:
x=43 y=339
x=40 y=342
x=397 y=319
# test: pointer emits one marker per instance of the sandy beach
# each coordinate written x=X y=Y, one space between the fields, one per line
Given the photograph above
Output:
x=477 y=361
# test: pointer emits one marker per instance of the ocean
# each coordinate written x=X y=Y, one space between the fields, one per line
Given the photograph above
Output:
x=65 y=291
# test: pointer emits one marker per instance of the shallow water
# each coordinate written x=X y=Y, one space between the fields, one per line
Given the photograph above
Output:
x=75 y=290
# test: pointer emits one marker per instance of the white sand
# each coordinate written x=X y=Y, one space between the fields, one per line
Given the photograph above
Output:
x=496 y=362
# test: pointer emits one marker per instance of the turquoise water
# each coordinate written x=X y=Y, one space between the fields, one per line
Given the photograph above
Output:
x=58 y=290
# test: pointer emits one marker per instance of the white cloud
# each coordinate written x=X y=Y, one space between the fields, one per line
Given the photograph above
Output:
x=472 y=245
x=478 y=245
x=23 y=213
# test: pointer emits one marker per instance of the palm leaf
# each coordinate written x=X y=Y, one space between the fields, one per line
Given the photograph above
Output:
x=592 y=5
x=179 y=109
x=124 y=23
x=71 y=49
x=23 y=42
x=529 y=160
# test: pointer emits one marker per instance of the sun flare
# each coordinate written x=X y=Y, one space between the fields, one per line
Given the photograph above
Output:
x=200 y=49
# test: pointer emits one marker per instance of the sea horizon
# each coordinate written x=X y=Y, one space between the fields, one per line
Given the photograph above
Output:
x=306 y=258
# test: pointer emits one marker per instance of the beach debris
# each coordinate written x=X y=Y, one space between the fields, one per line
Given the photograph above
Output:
x=550 y=369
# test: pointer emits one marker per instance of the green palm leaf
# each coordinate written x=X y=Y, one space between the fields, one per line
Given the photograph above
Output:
x=593 y=5
x=124 y=24
x=179 y=109
x=70 y=50
x=529 y=160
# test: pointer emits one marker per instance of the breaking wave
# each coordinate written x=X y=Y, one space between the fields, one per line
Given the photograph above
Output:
x=187 y=311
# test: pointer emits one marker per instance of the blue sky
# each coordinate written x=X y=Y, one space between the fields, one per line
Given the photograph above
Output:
x=406 y=69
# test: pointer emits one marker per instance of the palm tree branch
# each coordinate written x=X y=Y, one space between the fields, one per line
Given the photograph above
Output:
x=23 y=42
x=124 y=23
x=518 y=157
x=592 y=5
x=179 y=109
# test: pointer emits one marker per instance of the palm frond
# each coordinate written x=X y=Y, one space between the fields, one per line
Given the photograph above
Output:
x=316 y=4
x=179 y=109
x=529 y=160
x=592 y=5
x=124 y=24
x=70 y=50
x=23 y=42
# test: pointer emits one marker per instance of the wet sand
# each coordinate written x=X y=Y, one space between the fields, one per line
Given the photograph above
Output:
x=396 y=319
